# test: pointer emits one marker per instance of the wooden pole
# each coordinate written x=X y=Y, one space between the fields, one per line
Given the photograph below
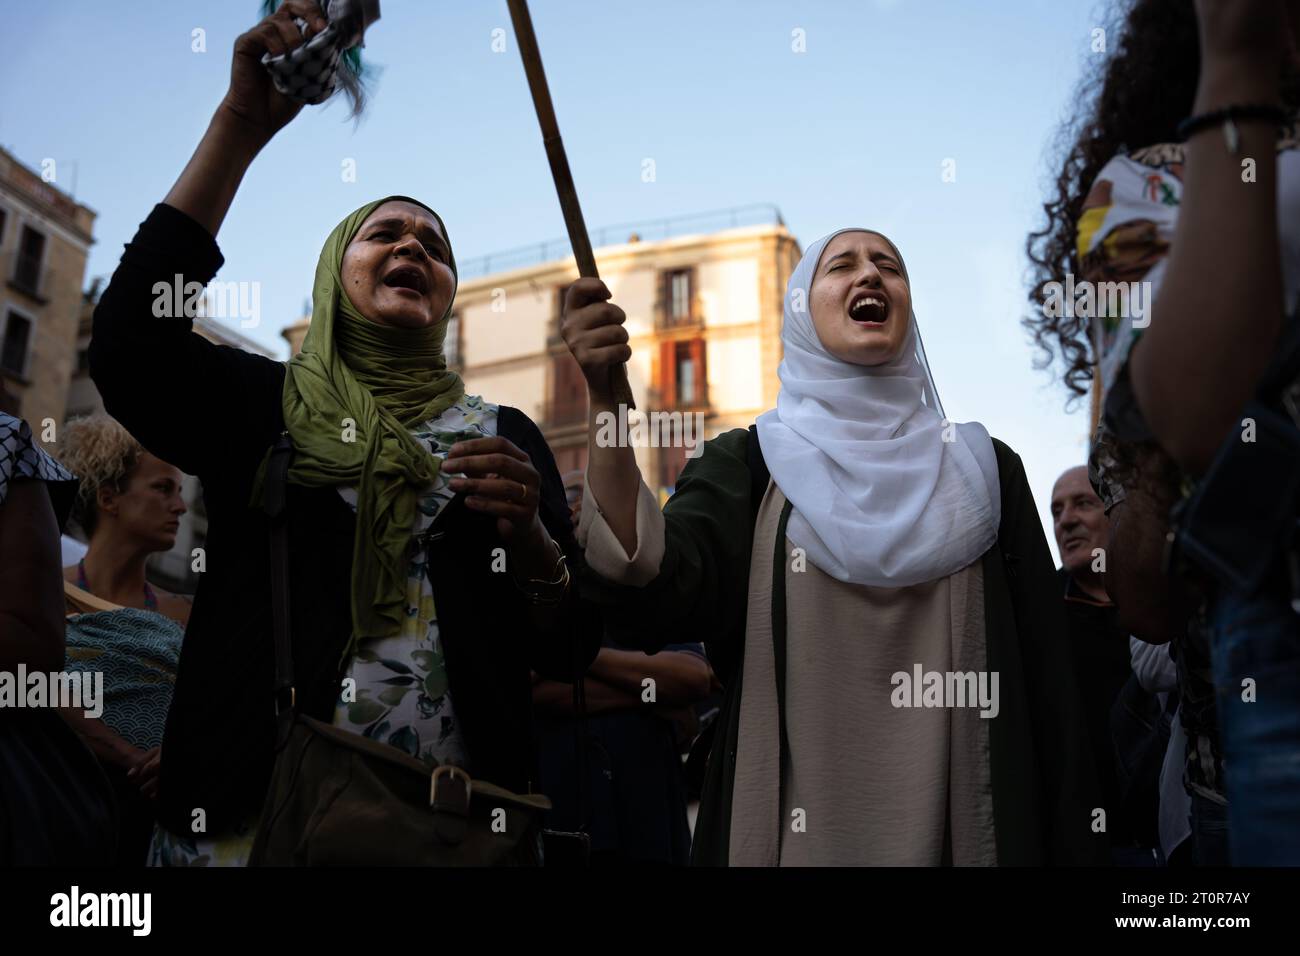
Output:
x=555 y=155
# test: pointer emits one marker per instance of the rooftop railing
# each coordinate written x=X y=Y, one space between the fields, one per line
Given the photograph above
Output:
x=645 y=230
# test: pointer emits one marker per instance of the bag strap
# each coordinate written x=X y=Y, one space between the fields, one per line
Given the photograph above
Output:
x=580 y=736
x=274 y=499
x=779 y=655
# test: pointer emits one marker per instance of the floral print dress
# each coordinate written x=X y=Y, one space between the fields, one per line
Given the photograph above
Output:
x=396 y=689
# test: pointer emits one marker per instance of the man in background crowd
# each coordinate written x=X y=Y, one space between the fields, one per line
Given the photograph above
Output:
x=1100 y=648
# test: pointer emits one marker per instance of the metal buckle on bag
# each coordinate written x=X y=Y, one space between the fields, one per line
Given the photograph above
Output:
x=454 y=803
x=450 y=804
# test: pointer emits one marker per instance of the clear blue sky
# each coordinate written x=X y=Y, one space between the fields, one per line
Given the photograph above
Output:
x=852 y=132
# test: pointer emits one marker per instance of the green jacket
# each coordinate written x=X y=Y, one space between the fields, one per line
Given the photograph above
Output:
x=1044 y=786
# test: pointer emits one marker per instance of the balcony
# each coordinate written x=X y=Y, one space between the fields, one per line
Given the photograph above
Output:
x=690 y=318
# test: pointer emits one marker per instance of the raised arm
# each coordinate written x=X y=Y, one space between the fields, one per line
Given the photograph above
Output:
x=250 y=114
x=593 y=330
x=190 y=402
x=1219 y=311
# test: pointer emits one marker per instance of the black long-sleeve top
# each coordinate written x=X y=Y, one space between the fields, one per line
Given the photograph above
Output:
x=213 y=411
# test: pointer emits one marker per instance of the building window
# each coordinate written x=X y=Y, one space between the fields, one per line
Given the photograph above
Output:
x=682 y=377
x=679 y=292
x=13 y=349
x=4 y=218
x=678 y=297
x=27 y=263
x=686 y=374
x=83 y=361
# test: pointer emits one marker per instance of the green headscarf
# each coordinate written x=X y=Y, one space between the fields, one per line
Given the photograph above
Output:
x=385 y=380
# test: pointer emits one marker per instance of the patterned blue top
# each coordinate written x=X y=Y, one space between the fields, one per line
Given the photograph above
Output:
x=138 y=652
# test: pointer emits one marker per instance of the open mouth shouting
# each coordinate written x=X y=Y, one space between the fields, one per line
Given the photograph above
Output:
x=869 y=308
x=408 y=279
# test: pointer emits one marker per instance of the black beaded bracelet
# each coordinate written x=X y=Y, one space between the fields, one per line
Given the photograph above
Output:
x=1227 y=117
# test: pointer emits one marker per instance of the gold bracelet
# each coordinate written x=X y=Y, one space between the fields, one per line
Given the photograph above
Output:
x=547 y=592
x=540 y=598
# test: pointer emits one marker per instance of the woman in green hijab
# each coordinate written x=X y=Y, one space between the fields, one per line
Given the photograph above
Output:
x=429 y=539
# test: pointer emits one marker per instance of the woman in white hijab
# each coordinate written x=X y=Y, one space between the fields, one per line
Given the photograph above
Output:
x=873 y=586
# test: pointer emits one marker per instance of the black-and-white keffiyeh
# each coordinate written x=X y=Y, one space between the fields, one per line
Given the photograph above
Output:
x=22 y=458
x=310 y=74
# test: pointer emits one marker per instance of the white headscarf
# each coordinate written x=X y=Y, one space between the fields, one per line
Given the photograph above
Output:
x=885 y=491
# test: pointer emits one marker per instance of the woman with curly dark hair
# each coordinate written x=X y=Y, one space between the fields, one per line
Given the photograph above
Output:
x=1177 y=220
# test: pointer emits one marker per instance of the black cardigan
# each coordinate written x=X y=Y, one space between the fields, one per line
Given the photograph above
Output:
x=213 y=411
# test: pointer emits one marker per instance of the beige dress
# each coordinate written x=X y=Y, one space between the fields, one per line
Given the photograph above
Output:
x=867 y=782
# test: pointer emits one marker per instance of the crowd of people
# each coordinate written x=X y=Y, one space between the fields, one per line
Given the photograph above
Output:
x=843 y=634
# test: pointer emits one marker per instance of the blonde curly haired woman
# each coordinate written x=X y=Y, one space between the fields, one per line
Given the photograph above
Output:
x=129 y=506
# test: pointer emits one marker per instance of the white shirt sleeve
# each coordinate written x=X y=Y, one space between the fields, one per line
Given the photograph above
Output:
x=606 y=556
